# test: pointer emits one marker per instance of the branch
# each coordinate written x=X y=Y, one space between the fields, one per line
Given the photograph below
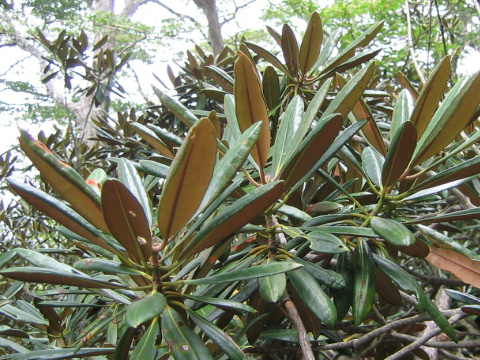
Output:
x=297 y=322
x=427 y=336
x=439 y=344
x=131 y=6
x=234 y=15
x=410 y=44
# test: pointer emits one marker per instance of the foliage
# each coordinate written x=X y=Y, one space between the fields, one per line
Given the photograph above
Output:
x=284 y=211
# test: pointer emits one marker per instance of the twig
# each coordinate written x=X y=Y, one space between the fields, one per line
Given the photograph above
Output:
x=442 y=32
x=421 y=341
x=439 y=344
x=410 y=44
x=298 y=323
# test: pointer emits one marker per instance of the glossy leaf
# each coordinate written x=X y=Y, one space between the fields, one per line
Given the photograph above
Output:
x=268 y=56
x=344 y=296
x=177 y=108
x=234 y=217
x=356 y=60
x=392 y=231
x=444 y=241
x=271 y=88
x=399 y=153
x=467 y=214
x=248 y=273
x=250 y=106
x=145 y=349
x=325 y=277
x=59 y=212
x=313 y=296
x=370 y=131
x=331 y=44
x=430 y=96
x=272 y=288
x=218 y=336
x=96 y=179
x=222 y=303
x=351 y=92
x=150 y=137
x=154 y=168
x=462 y=171
x=231 y=162
x=346 y=230
x=145 y=309
x=311 y=43
x=290 y=49
x=363 y=40
x=126 y=219
x=128 y=175
x=41 y=260
x=310 y=150
x=105 y=266
x=450 y=119
x=364 y=283
x=372 y=163
x=220 y=77
x=65 y=180
x=408 y=283
x=401 y=112
x=60 y=354
x=189 y=177
x=290 y=122
x=49 y=276
x=324 y=242
x=468 y=299
x=182 y=341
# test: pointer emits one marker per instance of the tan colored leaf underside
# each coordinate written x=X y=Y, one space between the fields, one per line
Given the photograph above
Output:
x=462 y=267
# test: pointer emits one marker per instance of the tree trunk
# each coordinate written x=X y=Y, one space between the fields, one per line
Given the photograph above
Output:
x=209 y=7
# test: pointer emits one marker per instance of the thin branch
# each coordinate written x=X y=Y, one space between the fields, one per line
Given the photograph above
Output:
x=298 y=323
x=427 y=336
x=442 y=32
x=234 y=15
x=439 y=344
x=410 y=44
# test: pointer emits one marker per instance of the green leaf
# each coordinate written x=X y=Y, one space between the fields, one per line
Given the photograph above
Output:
x=248 y=273
x=408 y=283
x=392 y=231
x=189 y=177
x=363 y=40
x=96 y=179
x=372 y=163
x=59 y=212
x=49 y=276
x=401 y=112
x=344 y=296
x=467 y=214
x=268 y=56
x=311 y=43
x=65 y=180
x=182 y=341
x=356 y=60
x=128 y=175
x=231 y=162
x=220 y=77
x=222 y=303
x=218 y=336
x=290 y=122
x=60 y=354
x=145 y=309
x=290 y=49
x=250 y=106
x=271 y=88
x=105 y=266
x=170 y=139
x=363 y=283
x=37 y=259
x=351 y=92
x=154 y=168
x=328 y=48
x=305 y=156
x=313 y=296
x=462 y=171
x=272 y=288
x=9 y=344
x=324 y=242
x=453 y=115
x=345 y=230
x=180 y=111
x=151 y=138
x=430 y=96
x=145 y=349
x=399 y=153
x=468 y=299
x=237 y=215
x=324 y=276
x=126 y=219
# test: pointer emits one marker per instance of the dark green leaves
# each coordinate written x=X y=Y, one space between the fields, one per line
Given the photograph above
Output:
x=145 y=309
x=364 y=283
x=392 y=231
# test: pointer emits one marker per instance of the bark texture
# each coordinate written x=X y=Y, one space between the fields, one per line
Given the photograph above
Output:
x=209 y=8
